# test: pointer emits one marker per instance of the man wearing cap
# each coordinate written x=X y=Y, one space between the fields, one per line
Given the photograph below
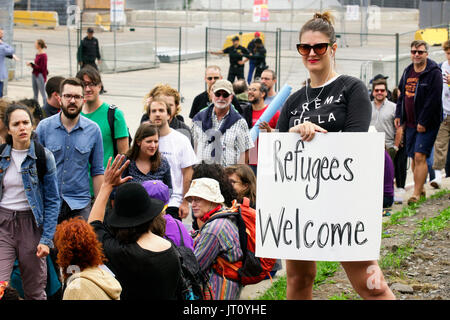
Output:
x=202 y=100
x=89 y=51
x=237 y=55
x=251 y=48
x=220 y=133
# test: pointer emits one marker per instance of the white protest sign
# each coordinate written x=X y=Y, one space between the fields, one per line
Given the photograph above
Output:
x=320 y=200
x=73 y=16
x=117 y=12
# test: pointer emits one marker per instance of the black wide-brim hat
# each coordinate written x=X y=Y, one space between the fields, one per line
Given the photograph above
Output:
x=133 y=206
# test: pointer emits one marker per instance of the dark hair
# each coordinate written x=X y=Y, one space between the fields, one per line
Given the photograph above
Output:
x=262 y=87
x=35 y=109
x=379 y=82
x=240 y=86
x=145 y=130
x=10 y=294
x=247 y=176
x=418 y=43
x=321 y=22
x=71 y=81
x=91 y=73
x=395 y=94
x=53 y=85
x=7 y=118
x=216 y=171
x=131 y=235
x=41 y=43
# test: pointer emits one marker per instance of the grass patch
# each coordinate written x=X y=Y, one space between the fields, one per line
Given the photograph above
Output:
x=435 y=224
x=395 y=259
x=411 y=209
x=342 y=296
x=277 y=291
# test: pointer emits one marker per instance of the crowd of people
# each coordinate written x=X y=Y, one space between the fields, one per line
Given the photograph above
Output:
x=105 y=209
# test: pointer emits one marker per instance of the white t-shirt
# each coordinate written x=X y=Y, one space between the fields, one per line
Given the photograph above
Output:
x=14 y=197
x=446 y=88
x=178 y=151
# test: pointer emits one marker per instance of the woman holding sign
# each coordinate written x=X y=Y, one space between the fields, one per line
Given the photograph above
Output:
x=329 y=102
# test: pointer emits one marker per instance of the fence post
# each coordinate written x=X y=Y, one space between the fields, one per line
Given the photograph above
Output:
x=397 y=56
x=278 y=59
x=206 y=50
x=179 y=57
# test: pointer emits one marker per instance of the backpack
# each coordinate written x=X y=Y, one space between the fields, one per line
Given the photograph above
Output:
x=194 y=282
x=250 y=269
x=41 y=161
x=111 y=117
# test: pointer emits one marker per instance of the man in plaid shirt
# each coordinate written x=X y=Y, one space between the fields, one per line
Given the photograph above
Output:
x=221 y=135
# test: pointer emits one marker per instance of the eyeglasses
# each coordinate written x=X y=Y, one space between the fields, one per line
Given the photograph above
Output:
x=379 y=90
x=319 y=48
x=74 y=96
x=89 y=84
x=420 y=52
x=224 y=94
x=211 y=78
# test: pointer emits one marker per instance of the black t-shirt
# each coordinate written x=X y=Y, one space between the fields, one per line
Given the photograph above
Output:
x=201 y=101
x=143 y=274
x=343 y=105
x=236 y=54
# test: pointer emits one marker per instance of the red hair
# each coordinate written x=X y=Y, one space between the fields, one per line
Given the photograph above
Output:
x=77 y=245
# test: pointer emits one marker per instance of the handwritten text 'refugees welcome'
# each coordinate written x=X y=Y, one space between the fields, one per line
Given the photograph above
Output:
x=291 y=166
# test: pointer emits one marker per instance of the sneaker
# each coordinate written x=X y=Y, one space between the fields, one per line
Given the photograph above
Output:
x=387 y=212
x=435 y=184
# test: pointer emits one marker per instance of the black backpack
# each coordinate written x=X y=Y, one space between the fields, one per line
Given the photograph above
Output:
x=41 y=161
x=194 y=282
x=111 y=113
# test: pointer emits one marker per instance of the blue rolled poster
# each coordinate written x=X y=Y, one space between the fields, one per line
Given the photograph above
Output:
x=273 y=107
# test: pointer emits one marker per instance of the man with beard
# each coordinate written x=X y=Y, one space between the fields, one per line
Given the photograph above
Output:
x=76 y=143
x=220 y=133
x=419 y=108
x=177 y=149
x=257 y=92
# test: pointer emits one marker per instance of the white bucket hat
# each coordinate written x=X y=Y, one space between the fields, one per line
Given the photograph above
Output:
x=205 y=188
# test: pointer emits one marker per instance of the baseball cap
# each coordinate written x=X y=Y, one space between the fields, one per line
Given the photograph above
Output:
x=257 y=34
x=90 y=30
x=379 y=76
x=223 y=84
x=235 y=38
x=157 y=189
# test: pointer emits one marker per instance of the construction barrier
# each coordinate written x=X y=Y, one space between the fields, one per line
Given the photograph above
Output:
x=432 y=36
x=43 y=19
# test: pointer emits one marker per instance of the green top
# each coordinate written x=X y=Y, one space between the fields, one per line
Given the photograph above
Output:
x=100 y=116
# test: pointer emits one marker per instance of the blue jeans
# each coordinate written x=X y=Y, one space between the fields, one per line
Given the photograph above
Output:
x=251 y=68
x=430 y=161
x=1 y=89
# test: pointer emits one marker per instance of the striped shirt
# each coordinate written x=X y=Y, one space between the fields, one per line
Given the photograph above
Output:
x=233 y=142
x=220 y=237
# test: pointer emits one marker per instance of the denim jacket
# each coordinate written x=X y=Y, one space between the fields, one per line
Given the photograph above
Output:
x=43 y=198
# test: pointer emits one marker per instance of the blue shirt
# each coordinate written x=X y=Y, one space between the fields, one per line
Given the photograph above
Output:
x=76 y=153
x=5 y=50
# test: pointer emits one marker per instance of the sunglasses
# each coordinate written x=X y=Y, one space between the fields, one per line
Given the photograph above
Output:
x=212 y=78
x=224 y=94
x=379 y=90
x=420 y=52
x=319 y=48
